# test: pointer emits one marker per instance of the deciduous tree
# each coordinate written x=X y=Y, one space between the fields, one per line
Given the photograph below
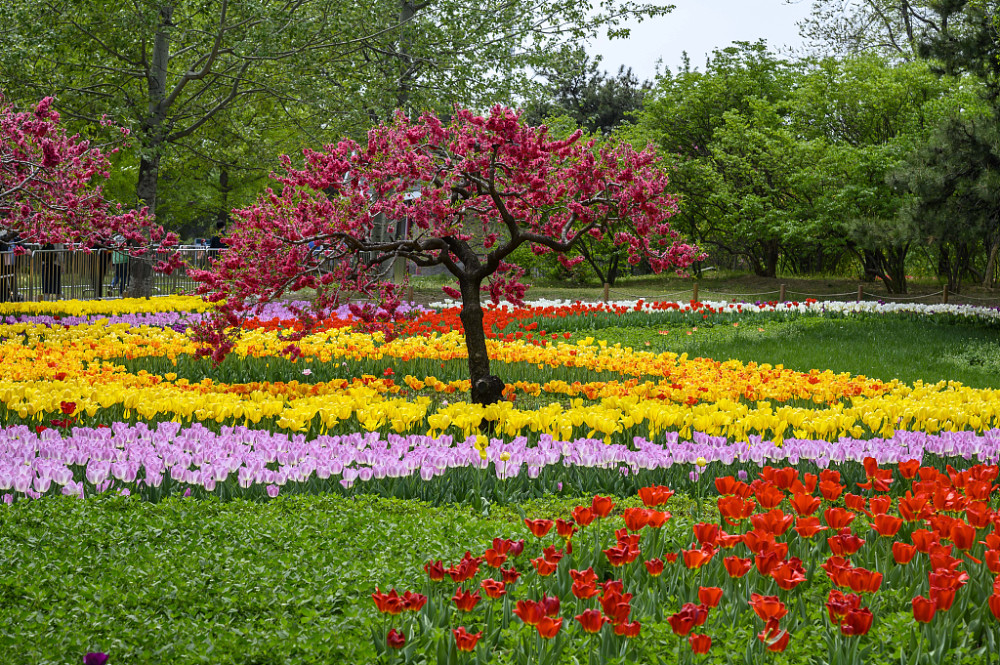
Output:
x=472 y=192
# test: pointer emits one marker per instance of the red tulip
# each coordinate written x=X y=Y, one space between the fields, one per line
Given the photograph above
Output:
x=435 y=570
x=584 y=590
x=388 y=603
x=886 y=525
x=585 y=576
x=838 y=604
x=413 y=602
x=700 y=643
x=908 y=469
x=591 y=620
x=943 y=598
x=807 y=527
x=773 y=636
x=493 y=588
x=658 y=518
x=727 y=486
x=880 y=505
x=994 y=603
x=565 y=528
x=992 y=559
x=656 y=495
x=789 y=575
x=768 y=561
x=548 y=627
x=709 y=596
x=734 y=509
x=707 y=534
x=464 y=640
x=509 y=575
x=654 y=567
x=538 y=528
x=550 y=605
x=963 y=535
x=767 y=607
x=923 y=540
x=737 y=567
x=689 y=616
x=773 y=522
x=769 y=496
x=979 y=514
x=635 y=518
x=395 y=639
x=844 y=543
x=805 y=505
x=913 y=508
x=857 y=622
x=856 y=502
x=544 y=566
x=493 y=558
x=628 y=629
x=838 y=518
x=529 y=611
x=923 y=609
x=466 y=601
x=583 y=516
x=903 y=553
x=831 y=491
x=864 y=581
x=602 y=505
x=695 y=559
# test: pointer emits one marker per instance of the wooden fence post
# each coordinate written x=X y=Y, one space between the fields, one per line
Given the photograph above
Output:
x=781 y=293
x=607 y=288
x=944 y=295
x=694 y=294
x=861 y=292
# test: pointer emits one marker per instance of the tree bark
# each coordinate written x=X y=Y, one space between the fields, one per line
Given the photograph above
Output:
x=475 y=335
x=140 y=280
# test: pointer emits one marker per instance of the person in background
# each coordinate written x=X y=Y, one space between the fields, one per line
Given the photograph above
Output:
x=119 y=259
x=52 y=267
x=9 y=241
x=216 y=241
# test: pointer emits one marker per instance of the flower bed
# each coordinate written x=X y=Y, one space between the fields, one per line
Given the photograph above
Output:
x=795 y=554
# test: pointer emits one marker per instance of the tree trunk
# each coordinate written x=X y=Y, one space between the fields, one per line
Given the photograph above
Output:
x=140 y=284
x=475 y=336
x=991 y=263
x=140 y=268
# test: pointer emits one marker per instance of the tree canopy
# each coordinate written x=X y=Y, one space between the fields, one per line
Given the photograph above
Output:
x=471 y=192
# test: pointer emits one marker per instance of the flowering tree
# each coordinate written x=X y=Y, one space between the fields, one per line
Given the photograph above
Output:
x=47 y=188
x=469 y=193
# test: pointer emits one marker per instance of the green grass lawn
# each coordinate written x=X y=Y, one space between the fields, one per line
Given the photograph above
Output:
x=882 y=348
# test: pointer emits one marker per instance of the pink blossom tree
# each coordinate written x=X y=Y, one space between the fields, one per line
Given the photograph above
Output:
x=469 y=193
x=49 y=186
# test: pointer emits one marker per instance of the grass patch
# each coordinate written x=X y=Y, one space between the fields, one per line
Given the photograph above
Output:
x=878 y=347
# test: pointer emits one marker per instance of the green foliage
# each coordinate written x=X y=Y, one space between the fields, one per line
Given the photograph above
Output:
x=596 y=101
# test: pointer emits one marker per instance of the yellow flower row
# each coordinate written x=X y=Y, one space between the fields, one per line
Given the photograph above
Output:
x=374 y=404
x=107 y=307
x=35 y=352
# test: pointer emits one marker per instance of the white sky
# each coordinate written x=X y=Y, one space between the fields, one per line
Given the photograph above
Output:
x=698 y=27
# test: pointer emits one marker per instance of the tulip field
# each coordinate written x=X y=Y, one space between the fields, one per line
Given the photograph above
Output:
x=635 y=498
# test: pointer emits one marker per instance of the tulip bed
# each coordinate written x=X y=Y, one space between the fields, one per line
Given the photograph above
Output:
x=810 y=551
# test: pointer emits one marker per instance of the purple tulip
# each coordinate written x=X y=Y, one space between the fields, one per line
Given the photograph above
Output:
x=95 y=658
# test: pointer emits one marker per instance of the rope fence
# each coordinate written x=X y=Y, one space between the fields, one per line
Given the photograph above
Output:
x=696 y=294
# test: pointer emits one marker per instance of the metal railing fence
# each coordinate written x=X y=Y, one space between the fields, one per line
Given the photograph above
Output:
x=52 y=274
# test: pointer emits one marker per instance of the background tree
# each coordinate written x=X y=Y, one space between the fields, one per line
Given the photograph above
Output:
x=889 y=28
x=473 y=191
x=576 y=88
x=168 y=68
x=50 y=184
x=683 y=116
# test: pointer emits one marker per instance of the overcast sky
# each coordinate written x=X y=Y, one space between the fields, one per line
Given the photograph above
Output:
x=698 y=27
